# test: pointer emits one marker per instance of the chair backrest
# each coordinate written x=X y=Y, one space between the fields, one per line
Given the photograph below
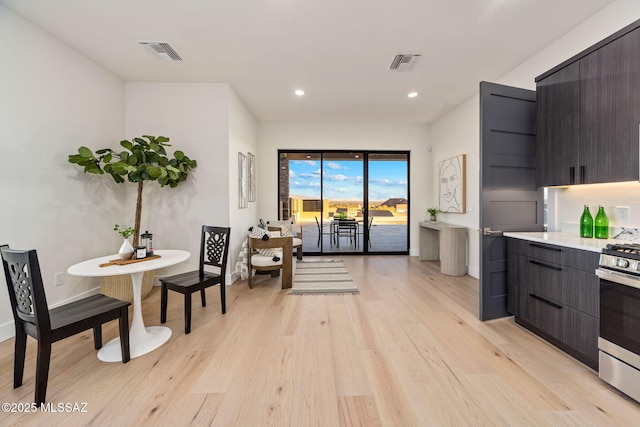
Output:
x=214 y=247
x=347 y=224
x=26 y=290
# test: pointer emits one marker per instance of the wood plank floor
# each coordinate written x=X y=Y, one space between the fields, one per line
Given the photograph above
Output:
x=408 y=351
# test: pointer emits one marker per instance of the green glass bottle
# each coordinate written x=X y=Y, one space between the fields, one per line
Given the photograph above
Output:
x=586 y=223
x=601 y=224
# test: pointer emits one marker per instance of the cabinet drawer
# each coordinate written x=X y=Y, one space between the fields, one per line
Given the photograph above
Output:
x=544 y=278
x=543 y=313
x=581 y=259
x=583 y=291
x=544 y=252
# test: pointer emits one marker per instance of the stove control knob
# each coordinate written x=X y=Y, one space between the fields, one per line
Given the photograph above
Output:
x=622 y=263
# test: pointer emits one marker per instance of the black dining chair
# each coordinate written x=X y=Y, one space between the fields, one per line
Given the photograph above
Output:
x=347 y=228
x=214 y=248
x=32 y=316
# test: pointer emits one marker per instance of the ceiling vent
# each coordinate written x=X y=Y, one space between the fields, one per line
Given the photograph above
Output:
x=405 y=61
x=161 y=50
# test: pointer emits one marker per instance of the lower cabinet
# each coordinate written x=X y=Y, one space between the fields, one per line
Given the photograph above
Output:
x=547 y=315
x=554 y=292
x=582 y=334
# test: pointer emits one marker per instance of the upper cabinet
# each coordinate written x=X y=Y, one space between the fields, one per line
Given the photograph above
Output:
x=589 y=115
x=558 y=128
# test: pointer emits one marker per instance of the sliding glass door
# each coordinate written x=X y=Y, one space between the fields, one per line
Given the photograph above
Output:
x=346 y=201
x=388 y=202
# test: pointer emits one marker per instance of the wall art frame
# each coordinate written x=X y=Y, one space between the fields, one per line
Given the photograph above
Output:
x=242 y=181
x=452 y=184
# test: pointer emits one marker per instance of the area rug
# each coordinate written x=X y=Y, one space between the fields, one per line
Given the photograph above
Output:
x=322 y=277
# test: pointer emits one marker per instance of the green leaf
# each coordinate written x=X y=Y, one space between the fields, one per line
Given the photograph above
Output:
x=92 y=167
x=162 y=139
x=179 y=155
x=117 y=178
x=75 y=158
x=126 y=144
x=154 y=172
x=141 y=141
x=107 y=158
x=85 y=152
x=155 y=147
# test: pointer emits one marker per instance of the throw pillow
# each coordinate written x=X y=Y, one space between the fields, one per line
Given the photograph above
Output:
x=259 y=233
x=283 y=225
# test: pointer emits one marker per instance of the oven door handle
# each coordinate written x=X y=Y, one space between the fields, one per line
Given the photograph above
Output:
x=621 y=278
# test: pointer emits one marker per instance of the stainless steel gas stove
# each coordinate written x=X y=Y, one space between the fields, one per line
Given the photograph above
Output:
x=619 y=338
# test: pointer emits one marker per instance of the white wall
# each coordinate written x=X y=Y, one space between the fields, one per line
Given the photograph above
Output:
x=454 y=134
x=458 y=131
x=53 y=101
x=196 y=118
x=354 y=136
x=243 y=138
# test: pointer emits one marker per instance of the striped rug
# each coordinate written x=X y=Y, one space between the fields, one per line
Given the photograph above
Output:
x=322 y=277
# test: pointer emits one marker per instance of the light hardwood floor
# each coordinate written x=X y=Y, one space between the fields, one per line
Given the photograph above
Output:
x=408 y=351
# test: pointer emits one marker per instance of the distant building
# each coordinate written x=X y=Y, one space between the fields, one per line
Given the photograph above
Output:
x=394 y=202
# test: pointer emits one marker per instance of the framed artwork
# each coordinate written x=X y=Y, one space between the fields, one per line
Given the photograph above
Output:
x=452 y=184
x=242 y=181
x=251 y=159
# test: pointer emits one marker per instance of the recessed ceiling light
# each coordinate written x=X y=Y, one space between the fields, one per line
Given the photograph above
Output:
x=299 y=92
x=412 y=94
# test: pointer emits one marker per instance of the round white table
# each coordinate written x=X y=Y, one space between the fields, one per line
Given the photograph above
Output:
x=142 y=339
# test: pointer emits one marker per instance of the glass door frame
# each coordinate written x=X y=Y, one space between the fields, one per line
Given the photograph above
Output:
x=364 y=249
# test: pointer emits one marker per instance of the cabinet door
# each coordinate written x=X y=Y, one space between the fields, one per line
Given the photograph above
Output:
x=558 y=127
x=582 y=335
x=610 y=112
x=514 y=273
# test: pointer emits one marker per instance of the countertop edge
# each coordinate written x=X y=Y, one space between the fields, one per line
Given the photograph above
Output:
x=563 y=239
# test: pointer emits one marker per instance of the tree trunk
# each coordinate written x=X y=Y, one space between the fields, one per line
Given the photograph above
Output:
x=136 y=236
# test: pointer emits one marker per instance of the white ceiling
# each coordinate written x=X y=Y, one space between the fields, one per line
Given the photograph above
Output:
x=338 y=51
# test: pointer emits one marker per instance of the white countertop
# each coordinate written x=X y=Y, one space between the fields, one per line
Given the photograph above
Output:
x=570 y=240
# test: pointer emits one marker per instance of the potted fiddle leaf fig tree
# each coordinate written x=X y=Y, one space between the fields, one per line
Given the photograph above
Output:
x=142 y=159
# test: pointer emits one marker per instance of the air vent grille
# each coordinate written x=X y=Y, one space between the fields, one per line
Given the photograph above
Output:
x=405 y=61
x=161 y=50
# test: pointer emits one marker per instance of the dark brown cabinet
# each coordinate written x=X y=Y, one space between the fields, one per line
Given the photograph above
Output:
x=589 y=115
x=554 y=292
x=557 y=136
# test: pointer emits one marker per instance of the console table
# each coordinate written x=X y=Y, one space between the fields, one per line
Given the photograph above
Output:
x=444 y=242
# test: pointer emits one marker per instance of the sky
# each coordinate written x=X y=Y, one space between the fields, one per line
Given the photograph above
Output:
x=343 y=179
